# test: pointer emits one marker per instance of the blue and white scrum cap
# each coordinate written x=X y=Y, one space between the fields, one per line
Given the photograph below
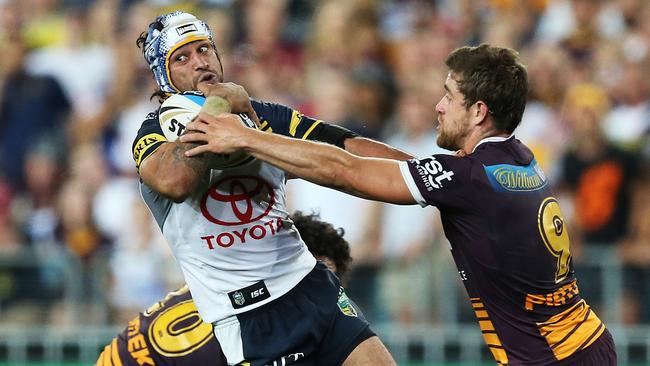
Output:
x=165 y=35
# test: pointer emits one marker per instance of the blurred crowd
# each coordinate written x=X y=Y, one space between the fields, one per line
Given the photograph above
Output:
x=77 y=245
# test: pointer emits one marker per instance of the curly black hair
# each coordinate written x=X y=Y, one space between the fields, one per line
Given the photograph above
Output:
x=323 y=239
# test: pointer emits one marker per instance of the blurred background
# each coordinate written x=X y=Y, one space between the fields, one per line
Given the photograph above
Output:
x=80 y=254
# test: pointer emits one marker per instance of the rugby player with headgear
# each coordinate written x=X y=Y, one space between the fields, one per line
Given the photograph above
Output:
x=171 y=332
x=250 y=274
x=507 y=232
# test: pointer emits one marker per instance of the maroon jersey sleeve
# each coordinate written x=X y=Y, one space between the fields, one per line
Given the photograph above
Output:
x=438 y=180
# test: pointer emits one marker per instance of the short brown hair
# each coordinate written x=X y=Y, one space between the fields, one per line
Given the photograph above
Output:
x=495 y=76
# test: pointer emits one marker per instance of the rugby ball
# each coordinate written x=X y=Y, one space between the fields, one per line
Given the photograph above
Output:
x=179 y=109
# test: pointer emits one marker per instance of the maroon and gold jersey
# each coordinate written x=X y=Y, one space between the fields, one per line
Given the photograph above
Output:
x=511 y=247
x=170 y=332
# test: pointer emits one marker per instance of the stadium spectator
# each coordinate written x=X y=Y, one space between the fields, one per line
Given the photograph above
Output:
x=32 y=108
x=629 y=119
x=81 y=65
x=600 y=174
x=634 y=250
x=600 y=178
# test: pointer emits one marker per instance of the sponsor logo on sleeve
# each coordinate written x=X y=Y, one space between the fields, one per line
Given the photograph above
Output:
x=144 y=144
x=433 y=174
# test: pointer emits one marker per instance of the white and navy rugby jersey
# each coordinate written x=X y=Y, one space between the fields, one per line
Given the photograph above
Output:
x=233 y=237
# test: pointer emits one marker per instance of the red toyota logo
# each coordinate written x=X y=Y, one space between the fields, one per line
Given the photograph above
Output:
x=242 y=194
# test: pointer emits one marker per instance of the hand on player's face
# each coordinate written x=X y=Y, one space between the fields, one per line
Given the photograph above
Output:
x=235 y=94
x=220 y=134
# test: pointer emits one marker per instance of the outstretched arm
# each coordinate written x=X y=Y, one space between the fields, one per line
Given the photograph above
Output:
x=373 y=178
x=362 y=146
x=240 y=102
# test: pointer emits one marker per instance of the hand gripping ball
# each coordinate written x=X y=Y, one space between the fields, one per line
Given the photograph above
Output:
x=179 y=109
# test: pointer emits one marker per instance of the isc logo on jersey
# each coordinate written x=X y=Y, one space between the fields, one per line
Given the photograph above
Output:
x=179 y=109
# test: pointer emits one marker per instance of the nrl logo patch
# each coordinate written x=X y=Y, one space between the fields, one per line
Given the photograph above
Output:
x=344 y=304
x=238 y=297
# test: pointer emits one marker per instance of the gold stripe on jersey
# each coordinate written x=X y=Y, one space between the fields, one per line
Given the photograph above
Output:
x=304 y=137
x=556 y=298
x=100 y=359
x=115 y=355
x=144 y=144
x=489 y=333
x=571 y=330
x=105 y=357
x=266 y=127
x=296 y=117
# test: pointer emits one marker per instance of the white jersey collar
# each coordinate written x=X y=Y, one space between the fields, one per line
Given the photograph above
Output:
x=492 y=139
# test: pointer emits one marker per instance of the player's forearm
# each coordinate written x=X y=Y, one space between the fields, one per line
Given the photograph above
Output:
x=362 y=146
x=317 y=162
x=324 y=164
x=172 y=174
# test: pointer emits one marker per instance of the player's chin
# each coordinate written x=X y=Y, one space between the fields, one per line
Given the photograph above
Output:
x=446 y=143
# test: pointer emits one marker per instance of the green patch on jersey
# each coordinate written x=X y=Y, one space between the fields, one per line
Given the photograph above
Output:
x=344 y=304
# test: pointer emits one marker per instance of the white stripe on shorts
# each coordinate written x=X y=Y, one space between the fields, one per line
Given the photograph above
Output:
x=228 y=333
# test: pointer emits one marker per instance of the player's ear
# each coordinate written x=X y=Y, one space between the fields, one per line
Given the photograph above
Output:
x=480 y=111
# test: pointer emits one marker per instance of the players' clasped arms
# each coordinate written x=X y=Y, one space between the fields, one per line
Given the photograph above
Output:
x=265 y=295
x=505 y=227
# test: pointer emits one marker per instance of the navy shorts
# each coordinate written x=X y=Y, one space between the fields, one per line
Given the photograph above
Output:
x=313 y=324
x=602 y=353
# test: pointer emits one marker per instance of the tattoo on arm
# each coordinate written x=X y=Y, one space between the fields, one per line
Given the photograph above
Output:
x=198 y=163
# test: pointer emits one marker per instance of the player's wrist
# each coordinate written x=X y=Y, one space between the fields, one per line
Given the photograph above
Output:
x=248 y=139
